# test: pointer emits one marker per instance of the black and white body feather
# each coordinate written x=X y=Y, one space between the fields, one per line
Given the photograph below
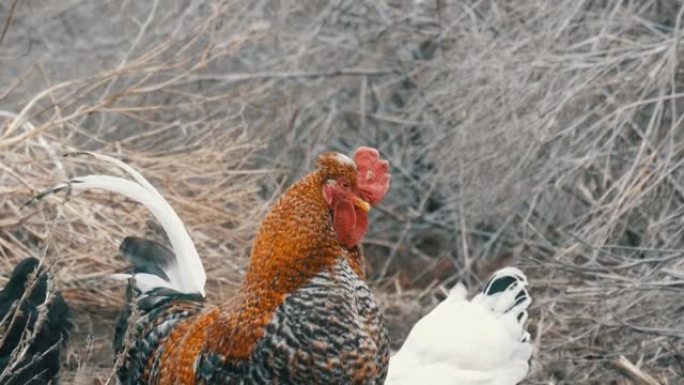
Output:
x=147 y=258
x=481 y=341
x=35 y=324
x=158 y=309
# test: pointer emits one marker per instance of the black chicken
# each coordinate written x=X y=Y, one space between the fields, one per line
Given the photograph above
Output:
x=31 y=342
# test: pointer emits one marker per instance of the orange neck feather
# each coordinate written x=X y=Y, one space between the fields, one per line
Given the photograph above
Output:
x=295 y=242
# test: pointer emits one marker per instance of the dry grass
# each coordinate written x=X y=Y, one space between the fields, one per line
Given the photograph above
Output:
x=550 y=134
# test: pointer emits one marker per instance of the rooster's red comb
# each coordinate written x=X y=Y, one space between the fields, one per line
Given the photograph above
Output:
x=373 y=174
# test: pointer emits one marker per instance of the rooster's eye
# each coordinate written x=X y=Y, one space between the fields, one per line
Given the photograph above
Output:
x=344 y=184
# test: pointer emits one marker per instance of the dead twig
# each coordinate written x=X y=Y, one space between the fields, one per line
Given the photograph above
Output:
x=632 y=372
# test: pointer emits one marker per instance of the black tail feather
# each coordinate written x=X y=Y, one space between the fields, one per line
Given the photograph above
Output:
x=506 y=279
x=148 y=317
x=147 y=256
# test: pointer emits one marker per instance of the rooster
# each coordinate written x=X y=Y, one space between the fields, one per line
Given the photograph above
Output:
x=476 y=342
x=34 y=327
x=304 y=313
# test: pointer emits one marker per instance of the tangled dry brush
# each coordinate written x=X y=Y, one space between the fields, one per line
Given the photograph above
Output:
x=544 y=133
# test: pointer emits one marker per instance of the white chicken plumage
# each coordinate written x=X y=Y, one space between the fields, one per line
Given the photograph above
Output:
x=476 y=342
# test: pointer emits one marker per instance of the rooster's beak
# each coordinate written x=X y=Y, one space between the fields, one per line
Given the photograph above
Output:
x=363 y=205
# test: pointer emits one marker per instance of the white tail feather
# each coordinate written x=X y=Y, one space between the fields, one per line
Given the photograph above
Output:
x=137 y=176
x=186 y=274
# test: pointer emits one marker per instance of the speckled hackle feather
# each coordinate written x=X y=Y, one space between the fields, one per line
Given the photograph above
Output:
x=304 y=313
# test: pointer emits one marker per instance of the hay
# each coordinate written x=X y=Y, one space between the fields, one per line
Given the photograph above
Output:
x=549 y=134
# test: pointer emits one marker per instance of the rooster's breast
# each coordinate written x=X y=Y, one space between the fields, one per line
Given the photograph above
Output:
x=328 y=332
